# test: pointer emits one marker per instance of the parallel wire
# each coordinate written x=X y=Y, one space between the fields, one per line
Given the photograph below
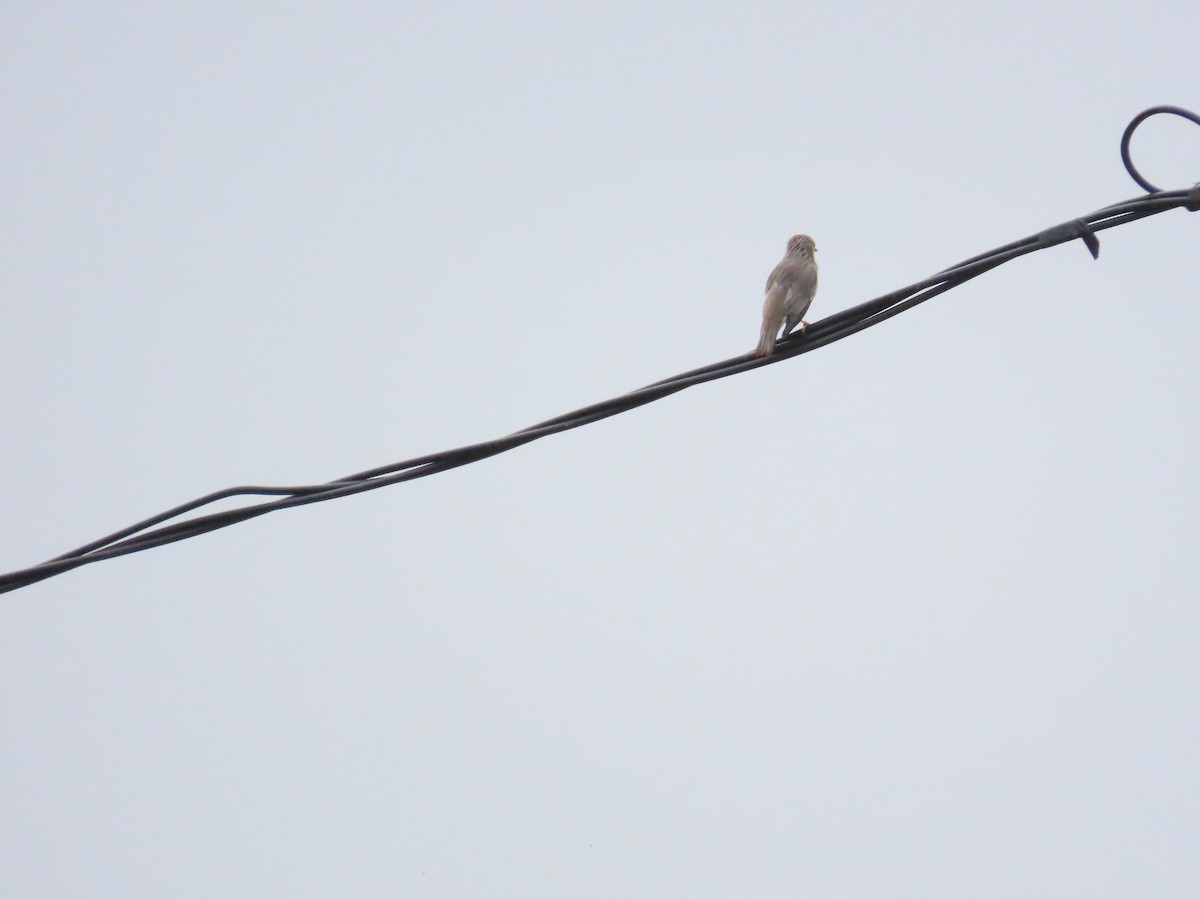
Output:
x=152 y=532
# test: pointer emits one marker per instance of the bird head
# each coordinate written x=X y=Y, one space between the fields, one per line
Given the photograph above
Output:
x=801 y=244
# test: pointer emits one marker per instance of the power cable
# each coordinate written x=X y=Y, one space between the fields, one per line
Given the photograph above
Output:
x=152 y=532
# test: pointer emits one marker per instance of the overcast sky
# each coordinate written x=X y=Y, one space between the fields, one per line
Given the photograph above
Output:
x=915 y=615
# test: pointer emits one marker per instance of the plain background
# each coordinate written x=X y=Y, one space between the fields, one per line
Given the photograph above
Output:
x=913 y=616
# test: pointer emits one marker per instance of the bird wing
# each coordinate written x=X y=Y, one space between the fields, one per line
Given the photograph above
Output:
x=797 y=277
x=800 y=283
x=774 y=306
x=776 y=274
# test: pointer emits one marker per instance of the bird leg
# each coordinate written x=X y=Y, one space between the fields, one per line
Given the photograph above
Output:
x=803 y=328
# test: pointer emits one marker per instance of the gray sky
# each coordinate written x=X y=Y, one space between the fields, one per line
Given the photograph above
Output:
x=912 y=616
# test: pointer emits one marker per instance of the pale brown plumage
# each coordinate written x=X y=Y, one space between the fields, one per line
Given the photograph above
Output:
x=789 y=293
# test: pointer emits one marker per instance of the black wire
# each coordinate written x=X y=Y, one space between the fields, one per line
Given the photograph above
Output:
x=836 y=327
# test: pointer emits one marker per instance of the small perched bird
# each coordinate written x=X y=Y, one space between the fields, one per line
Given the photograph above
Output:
x=790 y=291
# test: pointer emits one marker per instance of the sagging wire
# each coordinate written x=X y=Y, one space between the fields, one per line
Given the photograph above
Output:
x=153 y=532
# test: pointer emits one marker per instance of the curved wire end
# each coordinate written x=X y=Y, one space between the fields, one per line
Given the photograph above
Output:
x=1132 y=127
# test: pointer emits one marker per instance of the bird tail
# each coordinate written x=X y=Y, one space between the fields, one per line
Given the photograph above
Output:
x=766 y=342
x=772 y=318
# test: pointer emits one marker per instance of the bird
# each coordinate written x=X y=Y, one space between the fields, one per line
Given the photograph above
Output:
x=789 y=292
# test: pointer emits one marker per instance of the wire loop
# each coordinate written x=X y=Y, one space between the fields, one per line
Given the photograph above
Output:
x=1132 y=127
